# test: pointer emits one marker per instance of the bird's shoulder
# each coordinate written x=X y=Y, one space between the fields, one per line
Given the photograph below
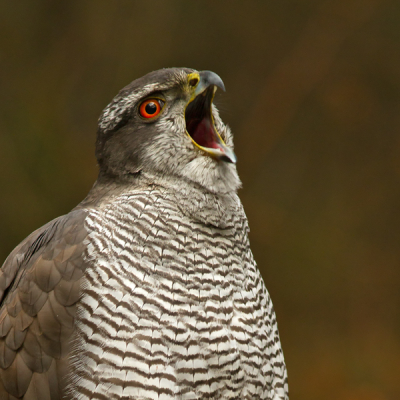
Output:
x=39 y=289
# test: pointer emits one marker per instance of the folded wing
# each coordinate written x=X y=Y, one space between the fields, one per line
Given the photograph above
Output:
x=39 y=288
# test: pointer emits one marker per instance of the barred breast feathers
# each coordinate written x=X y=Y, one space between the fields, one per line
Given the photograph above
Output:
x=174 y=306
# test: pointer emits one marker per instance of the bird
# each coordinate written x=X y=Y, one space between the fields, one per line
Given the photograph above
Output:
x=148 y=288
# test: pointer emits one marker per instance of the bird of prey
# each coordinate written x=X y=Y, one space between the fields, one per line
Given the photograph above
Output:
x=148 y=288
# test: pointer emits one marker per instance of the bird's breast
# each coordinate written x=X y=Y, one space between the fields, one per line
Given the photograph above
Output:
x=170 y=307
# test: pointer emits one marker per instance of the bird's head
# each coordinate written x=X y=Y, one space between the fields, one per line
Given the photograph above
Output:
x=165 y=123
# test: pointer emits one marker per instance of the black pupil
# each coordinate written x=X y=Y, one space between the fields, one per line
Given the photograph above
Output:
x=151 y=108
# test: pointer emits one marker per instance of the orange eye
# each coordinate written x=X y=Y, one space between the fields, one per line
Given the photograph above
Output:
x=150 y=108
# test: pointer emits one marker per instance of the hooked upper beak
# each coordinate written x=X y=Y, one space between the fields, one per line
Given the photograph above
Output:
x=208 y=78
x=199 y=119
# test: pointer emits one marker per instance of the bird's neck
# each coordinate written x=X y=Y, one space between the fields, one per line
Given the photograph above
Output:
x=193 y=200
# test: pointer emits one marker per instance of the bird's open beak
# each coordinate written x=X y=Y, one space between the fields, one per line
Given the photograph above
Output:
x=199 y=119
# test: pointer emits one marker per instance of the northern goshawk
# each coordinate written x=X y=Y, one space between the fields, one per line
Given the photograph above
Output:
x=148 y=288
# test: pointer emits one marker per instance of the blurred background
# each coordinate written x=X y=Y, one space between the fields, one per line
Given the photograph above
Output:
x=313 y=98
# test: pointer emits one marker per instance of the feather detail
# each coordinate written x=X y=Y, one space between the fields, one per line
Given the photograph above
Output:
x=35 y=328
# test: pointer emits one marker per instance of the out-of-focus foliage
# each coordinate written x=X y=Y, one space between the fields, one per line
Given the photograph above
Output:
x=313 y=97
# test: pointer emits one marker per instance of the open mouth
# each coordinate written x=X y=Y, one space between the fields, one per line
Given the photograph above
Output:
x=200 y=126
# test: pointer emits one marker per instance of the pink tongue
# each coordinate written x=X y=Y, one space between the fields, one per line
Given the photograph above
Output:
x=204 y=135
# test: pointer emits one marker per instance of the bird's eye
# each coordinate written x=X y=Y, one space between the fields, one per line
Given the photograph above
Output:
x=150 y=108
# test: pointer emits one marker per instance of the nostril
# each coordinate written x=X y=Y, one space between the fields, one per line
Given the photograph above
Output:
x=193 y=82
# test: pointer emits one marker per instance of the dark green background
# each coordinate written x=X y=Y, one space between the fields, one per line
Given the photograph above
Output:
x=313 y=98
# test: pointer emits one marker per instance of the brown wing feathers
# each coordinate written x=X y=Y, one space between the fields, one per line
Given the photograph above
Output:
x=39 y=285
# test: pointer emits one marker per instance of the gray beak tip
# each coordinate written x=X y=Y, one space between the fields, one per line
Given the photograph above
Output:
x=208 y=78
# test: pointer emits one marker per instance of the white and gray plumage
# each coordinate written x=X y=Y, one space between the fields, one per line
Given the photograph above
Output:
x=148 y=288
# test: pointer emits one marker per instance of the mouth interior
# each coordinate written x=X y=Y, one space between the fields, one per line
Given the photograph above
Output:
x=199 y=122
